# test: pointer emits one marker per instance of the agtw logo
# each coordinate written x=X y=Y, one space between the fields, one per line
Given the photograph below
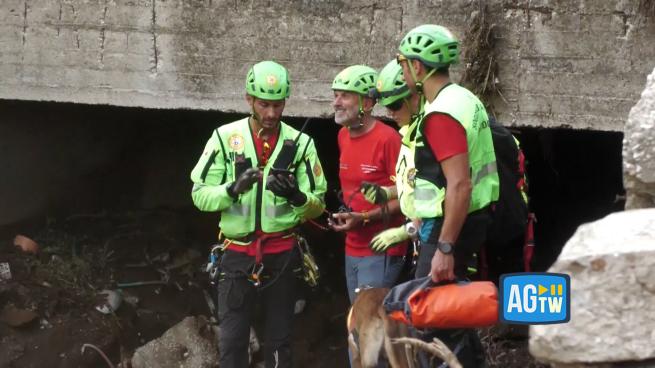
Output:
x=535 y=298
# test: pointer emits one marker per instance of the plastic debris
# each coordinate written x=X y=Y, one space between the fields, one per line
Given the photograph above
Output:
x=165 y=278
x=112 y=301
x=102 y=354
x=26 y=244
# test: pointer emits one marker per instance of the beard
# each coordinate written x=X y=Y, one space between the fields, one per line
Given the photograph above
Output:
x=346 y=117
x=269 y=123
x=265 y=123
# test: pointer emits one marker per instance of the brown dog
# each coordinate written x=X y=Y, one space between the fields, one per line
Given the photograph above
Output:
x=377 y=334
x=374 y=330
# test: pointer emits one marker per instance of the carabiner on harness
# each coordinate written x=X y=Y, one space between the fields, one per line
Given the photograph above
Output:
x=255 y=274
x=214 y=264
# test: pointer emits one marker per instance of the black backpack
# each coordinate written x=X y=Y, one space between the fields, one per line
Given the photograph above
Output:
x=510 y=213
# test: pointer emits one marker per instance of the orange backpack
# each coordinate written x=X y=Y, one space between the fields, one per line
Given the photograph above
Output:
x=423 y=304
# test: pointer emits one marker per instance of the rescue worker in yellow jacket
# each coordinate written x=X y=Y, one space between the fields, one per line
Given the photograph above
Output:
x=265 y=178
x=404 y=108
x=456 y=178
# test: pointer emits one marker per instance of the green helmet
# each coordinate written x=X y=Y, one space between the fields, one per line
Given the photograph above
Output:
x=356 y=78
x=268 y=80
x=391 y=85
x=434 y=45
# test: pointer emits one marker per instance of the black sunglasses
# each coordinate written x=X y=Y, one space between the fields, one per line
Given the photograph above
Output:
x=396 y=105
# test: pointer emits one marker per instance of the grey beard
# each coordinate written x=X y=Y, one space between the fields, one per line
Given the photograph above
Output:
x=348 y=119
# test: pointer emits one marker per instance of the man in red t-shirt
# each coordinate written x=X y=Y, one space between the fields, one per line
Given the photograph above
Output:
x=369 y=150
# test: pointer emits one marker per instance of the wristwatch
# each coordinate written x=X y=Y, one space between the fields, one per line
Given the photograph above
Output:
x=411 y=230
x=445 y=247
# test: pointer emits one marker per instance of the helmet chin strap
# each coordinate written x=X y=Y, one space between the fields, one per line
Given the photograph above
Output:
x=419 y=108
x=360 y=115
x=419 y=83
x=256 y=118
x=253 y=114
x=413 y=114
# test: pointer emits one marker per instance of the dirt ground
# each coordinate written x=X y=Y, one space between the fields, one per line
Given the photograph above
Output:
x=48 y=306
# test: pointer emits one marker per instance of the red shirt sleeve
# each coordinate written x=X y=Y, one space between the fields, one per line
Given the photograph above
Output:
x=445 y=135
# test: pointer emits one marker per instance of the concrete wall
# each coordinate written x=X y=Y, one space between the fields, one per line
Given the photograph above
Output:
x=577 y=63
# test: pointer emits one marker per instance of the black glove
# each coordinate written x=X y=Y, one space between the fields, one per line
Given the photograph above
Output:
x=244 y=182
x=287 y=187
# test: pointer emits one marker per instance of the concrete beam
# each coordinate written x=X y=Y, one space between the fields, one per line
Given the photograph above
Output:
x=578 y=64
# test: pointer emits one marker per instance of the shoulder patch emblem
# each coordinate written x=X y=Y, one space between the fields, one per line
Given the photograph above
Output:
x=318 y=171
x=236 y=142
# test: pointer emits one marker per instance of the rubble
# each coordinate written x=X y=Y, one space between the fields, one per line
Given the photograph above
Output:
x=190 y=343
x=639 y=150
x=5 y=271
x=611 y=264
x=17 y=317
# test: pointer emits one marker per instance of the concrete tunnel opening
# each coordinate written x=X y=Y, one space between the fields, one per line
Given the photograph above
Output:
x=99 y=176
x=68 y=159
x=64 y=161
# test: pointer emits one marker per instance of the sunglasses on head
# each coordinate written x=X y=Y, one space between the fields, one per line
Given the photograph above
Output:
x=396 y=105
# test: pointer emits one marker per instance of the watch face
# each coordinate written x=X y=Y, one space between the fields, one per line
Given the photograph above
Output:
x=410 y=228
x=445 y=248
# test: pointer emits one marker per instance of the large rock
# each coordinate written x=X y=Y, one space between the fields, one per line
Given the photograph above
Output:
x=639 y=150
x=189 y=344
x=611 y=263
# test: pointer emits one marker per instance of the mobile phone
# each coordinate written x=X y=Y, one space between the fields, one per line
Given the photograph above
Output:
x=277 y=172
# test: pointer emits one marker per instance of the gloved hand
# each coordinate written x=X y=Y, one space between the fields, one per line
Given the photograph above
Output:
x=244 y=182
x=388 y=238
x=377 y=194
x=286 y=186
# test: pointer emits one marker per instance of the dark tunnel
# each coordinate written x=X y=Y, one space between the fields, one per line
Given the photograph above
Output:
x=59 y=160
x=109 y=187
